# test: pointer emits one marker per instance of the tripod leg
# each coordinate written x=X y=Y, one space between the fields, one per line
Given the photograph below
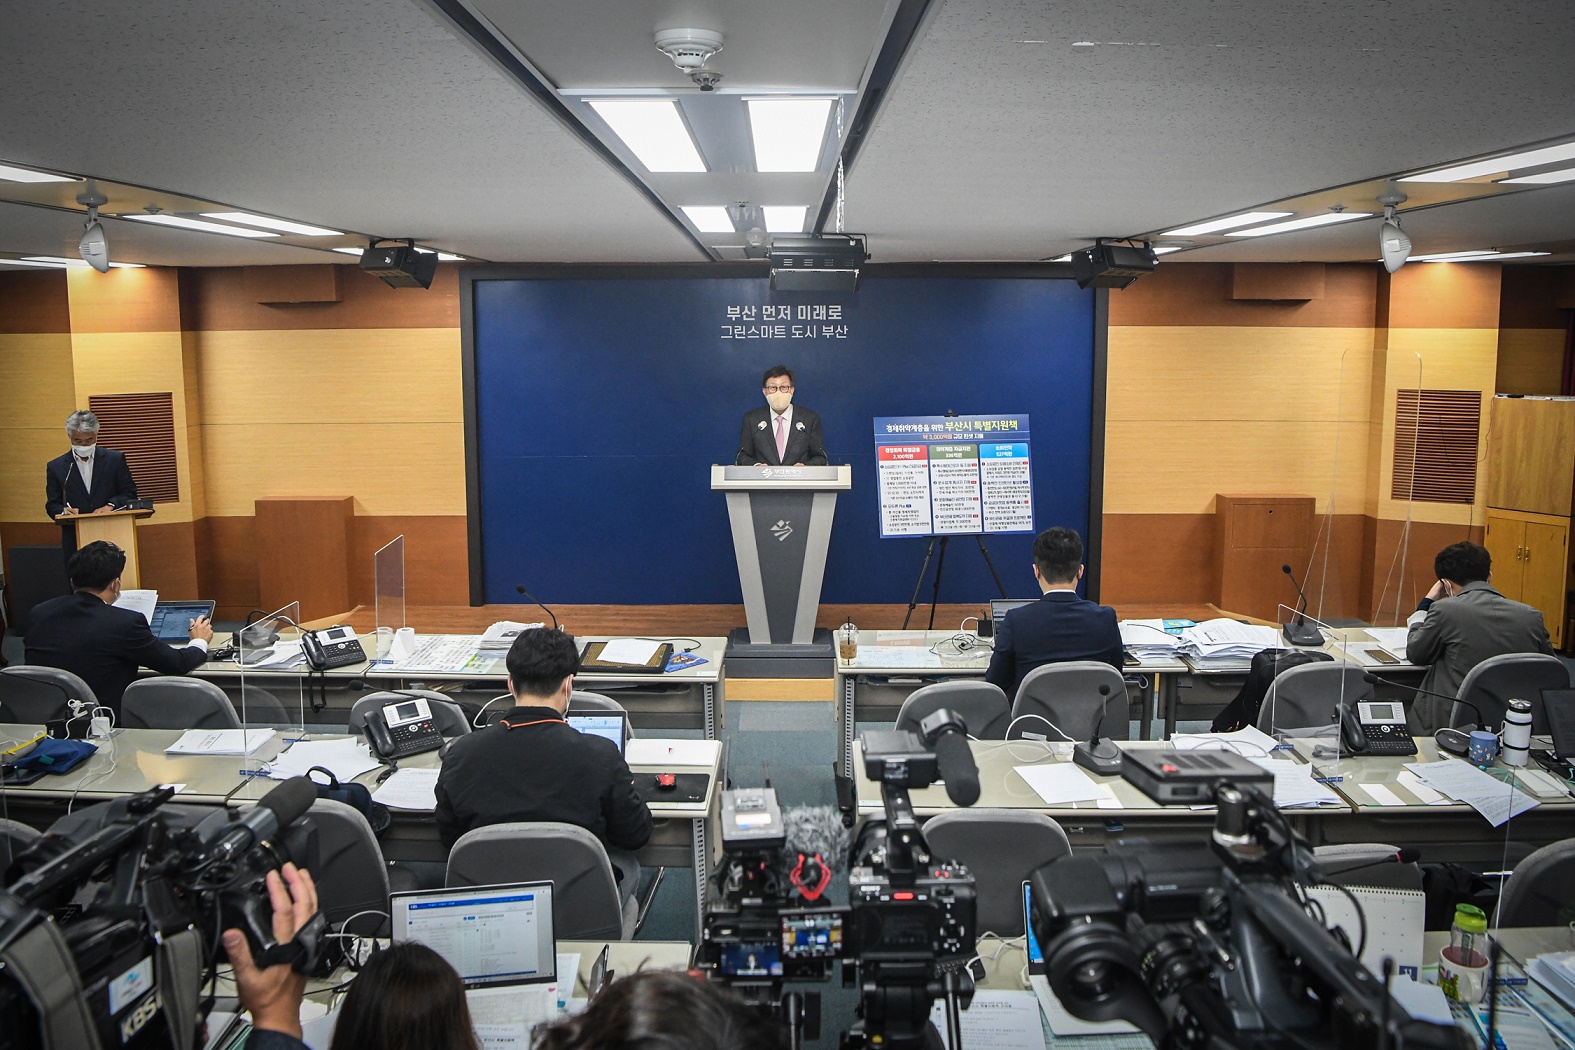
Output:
x=923 y=570
x=935 y=592
x=986 y=552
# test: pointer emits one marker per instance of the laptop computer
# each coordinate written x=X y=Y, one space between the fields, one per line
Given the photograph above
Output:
x=1558 y=707
x=172 y=620
x=500 y=941
x=999 y=607
x=611 y=725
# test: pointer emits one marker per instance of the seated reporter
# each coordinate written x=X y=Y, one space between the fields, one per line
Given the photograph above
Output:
x=530 y=765
x=84 y=633
x=663 y=1010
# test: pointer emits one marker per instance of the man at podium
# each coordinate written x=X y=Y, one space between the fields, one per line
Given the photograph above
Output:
x=781 y=434
x=87 y=479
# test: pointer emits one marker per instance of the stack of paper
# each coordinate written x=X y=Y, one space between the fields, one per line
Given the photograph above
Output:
x=500 y=637
x=1149 y=639
x=1294 y=787
x=143 y=602
x=346 y=758
x=1249 y=741
x=220 y=741
x=1390 y=639
x=409 y=789
x=1463 y=782
x=1225 y=642
x=1556 y=973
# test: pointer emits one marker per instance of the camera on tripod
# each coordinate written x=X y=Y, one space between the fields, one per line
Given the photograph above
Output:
x=110 y=924
x=1215 y=945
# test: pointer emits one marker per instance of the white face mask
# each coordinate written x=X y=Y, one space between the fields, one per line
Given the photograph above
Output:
x=83 y=451
x=779 y=400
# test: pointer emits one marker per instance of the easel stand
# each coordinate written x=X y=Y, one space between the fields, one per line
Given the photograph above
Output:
x=940 y=563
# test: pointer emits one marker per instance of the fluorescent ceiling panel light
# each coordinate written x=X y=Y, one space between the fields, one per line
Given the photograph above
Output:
x=788 y=132
x=1230 y=222
x=654 y=131
x=198 y=224
x=784 y=218
x=14 y=174
x=283 y=225
x=1062 y=258
x=1167 y=249
x=1478 y=256
x=76 y=264
x=709 y=218
x=30 y=262
x=442 y=256
x=1546 y=178
x=1478 y=168
x=1303 y=224
x=1435 y=256
x=350 y=251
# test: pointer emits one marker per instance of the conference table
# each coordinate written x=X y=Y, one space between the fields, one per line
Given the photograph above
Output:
x=688 y=698
x=134 y=760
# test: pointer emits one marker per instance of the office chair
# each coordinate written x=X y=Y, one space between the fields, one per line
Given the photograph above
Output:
x=446 y=714
x=983 y=707
x=1341 y=861
x=587 y=904
x=1308 y=697
x=1001 y=847
x=1538 y=892
x=585 y=703
x=1494 y=682
x=1068 y=697
x=173 y=702
x=34 y=694
x=351 y=875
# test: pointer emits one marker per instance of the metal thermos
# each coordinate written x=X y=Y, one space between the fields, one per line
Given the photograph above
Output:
x=1516 y=747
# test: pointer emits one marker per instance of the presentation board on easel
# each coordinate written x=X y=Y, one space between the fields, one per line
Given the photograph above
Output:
x=954 y=475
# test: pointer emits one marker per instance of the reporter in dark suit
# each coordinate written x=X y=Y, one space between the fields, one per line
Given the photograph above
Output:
x=85 y=480
x=1060 y=626
x=782 y=433
x=85 y=633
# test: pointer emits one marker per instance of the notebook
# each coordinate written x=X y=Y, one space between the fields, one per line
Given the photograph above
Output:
x=611 y=725
x=172 y=620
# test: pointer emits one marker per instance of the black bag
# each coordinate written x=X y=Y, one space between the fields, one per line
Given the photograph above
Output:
x=355 y=796
x=1243 y=710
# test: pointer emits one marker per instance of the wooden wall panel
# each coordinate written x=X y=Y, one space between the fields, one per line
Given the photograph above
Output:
x=1531 y=361
x=146 y=300
x=1159 y=558
x=1403 y=564
x=23 y=454
x=227 y=564
x=33 y=303
x=437 y=566
x=1278 y=281
x=292 y=284
x=1531 y=457
x=216 y=300
x=1444 y=295
x=303 y=554
x=36 y=373
x=1199 y=294
x=1536 y=297
x=167 y=555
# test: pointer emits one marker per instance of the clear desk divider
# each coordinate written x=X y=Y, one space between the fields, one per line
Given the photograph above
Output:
x=273 y=697
x=1303 y=708
x=388 y=580
x=1331 y=576
x=1407 y=573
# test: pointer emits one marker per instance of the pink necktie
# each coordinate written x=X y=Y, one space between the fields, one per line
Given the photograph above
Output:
x=781 y=440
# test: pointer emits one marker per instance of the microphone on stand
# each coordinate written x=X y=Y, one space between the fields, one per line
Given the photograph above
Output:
x=1299 y=632
x=1450 y=738
x=520 y=587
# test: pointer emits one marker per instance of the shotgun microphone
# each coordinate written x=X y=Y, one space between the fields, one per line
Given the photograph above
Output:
x=520 y=587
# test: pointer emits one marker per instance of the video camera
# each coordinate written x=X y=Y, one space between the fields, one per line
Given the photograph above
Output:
x=908 y=931
x=1217 y=945
x=110 y=924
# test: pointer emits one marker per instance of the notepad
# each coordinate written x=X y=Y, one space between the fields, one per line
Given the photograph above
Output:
x=1060 y=783
x=220 y=741
x=1394 y=923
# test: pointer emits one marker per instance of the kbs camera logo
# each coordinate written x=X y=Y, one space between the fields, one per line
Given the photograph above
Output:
x=782 y=529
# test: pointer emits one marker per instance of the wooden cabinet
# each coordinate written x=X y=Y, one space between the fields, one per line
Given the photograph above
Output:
x=1258 y=535
x=1530 y=558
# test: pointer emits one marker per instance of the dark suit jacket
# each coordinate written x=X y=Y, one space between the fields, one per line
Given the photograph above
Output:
x=757 y=440
x=112 y=482
x=101 y=644
x=1058 y=628
x=1458 y=633
x=548 y=771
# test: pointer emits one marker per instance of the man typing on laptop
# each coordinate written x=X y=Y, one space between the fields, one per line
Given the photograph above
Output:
x=531 y=765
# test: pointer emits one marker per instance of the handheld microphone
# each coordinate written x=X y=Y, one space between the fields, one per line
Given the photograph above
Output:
x=1451 y=738
x=520 y=587
x=1299 y=632
x=1401 y=856
x=278 y=809
x=947 y=734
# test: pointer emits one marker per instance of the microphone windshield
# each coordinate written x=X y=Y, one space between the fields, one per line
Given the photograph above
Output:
x=957 y=767
x=1408 y=855
x=1286 y=569
x=290 y=800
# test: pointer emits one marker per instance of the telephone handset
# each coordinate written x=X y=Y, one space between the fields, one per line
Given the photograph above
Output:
x=402 y=729
x=332 y=647
x=1375 y=727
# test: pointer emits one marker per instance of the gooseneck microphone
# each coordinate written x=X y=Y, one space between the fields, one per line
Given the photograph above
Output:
x=947 y=734
x=1456 y=740
x=520 y=587
x=1299 y=632
x=1372 y=679
x=1400 y=856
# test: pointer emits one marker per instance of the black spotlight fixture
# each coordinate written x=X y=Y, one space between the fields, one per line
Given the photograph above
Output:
x=1108 y=265
x=400 y=265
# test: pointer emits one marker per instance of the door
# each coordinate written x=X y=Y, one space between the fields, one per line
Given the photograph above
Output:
x=1546 y=564
x=1505 y=539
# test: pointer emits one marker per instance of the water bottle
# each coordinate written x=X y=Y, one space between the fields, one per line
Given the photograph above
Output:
x=1516 y=747
x=1463 y=963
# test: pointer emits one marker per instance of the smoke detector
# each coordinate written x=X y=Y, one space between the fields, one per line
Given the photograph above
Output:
x=690 y=50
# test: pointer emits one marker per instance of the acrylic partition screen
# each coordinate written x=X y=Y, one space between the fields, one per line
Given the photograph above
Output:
x=601 y=404
x=272 y=691
x=388 y=583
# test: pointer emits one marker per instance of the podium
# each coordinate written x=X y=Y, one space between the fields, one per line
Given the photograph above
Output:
x=115 y=526
x=781 y=523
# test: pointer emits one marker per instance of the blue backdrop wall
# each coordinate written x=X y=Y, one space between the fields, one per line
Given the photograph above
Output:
x=600 y=404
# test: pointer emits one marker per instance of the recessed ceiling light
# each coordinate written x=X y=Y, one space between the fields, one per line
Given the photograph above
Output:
x=709 y=218
x=788 y=132
x=267 y=223
x=1546 y=178
x=11 y=173
x=1230 y=222
x=784 y=218
x=654 y=131
x=1303 y=224
x=76 y=264
x=198 y=224
x=1509 y=162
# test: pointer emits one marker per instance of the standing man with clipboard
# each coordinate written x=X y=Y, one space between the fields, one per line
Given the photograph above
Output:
x=781 y=434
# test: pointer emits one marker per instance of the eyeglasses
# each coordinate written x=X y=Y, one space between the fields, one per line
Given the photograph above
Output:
x=779 y=389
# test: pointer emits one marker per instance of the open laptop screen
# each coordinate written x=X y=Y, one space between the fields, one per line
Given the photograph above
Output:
x=999 y=607
x=1558 y=707
x=1036 y=955
x=172 y=620
x=610 y=726
x=491 y=935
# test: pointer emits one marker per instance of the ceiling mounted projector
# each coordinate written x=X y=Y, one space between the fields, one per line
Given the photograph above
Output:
x=1394 y=247
x=690 y=50
x=400 y=265
x=1112 y=265
x=828 y=262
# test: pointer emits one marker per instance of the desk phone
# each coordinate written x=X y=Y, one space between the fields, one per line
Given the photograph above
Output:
x=333 y=647
x=1375 y=728
x=403 y=729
